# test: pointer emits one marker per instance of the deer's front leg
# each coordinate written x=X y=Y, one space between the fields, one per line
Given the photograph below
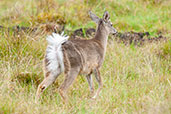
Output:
x=90 y=83
x=99 y=80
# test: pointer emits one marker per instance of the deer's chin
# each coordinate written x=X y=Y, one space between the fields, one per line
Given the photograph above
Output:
x=114 y=33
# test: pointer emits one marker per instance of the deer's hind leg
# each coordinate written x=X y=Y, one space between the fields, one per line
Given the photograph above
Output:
x=70 y=76
x=49 y=78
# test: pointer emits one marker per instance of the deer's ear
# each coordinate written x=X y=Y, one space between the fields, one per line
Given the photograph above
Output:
x=94 y=17
x=106 y=16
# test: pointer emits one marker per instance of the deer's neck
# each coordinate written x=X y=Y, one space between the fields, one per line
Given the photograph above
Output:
x=102 y=36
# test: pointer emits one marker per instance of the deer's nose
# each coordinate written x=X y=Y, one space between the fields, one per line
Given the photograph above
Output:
x=115 y=32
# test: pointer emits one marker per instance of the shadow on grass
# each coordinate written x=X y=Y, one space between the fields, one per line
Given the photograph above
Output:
x=27 y=78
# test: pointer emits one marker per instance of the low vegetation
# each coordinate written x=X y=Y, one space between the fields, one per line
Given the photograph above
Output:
x=136 y=79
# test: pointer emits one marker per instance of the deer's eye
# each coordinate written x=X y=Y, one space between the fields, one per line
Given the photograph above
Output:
x=111 y=24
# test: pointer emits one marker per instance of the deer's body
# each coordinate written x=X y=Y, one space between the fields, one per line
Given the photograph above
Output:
x=85 y=54
x=77 y=56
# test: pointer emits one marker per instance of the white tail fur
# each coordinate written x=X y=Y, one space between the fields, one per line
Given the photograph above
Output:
x=54 y=52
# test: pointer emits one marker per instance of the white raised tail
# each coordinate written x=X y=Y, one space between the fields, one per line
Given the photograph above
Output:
x=54 y=52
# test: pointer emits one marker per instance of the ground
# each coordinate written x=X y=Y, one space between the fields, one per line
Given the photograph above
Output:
x=137 y=68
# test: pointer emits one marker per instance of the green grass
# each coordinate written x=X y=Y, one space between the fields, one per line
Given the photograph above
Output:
x=135 y=79
x=125 y=14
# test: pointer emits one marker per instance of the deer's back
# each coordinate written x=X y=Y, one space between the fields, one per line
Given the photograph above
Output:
x=83 y=54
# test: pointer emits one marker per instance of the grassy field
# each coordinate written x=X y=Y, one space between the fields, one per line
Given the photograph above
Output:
x=136 y=79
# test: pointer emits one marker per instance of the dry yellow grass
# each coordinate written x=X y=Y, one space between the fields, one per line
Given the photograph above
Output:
x=136 y=79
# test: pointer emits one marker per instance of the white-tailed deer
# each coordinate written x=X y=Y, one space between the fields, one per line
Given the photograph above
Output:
x=77 y=56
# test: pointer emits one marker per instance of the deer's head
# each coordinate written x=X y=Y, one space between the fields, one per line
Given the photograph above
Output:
x=104 y=22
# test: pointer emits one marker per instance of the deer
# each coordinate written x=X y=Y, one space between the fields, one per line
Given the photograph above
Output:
x=76 y=56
